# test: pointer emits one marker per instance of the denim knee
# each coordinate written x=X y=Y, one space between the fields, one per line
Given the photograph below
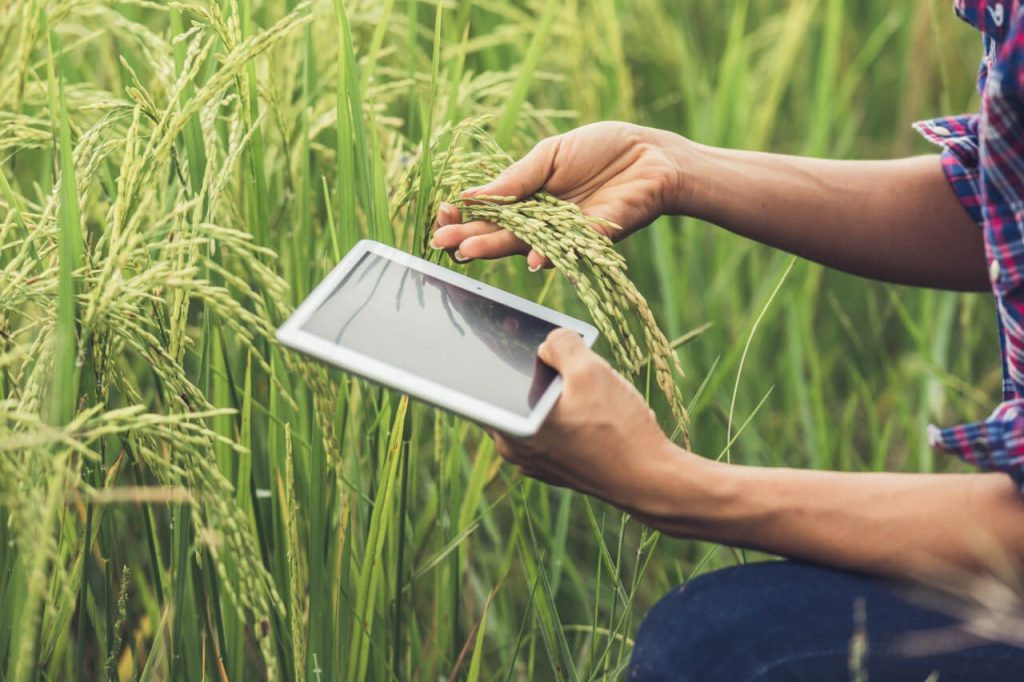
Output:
x=791 y=621
x=684 y=636
x=760 y=622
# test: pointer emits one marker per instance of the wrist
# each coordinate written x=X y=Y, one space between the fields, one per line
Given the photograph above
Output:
x=690 y=187
x=685 y=494
x=682 y=185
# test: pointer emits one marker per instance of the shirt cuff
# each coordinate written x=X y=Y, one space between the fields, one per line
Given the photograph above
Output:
x=958 y=137
x=996 y=444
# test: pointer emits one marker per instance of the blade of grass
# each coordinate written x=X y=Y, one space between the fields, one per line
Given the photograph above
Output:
x=64 y=390
x=506 y=125
x=746 y=350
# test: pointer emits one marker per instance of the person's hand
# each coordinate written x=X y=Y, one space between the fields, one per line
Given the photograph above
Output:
x=600 y=438
x=617 y=171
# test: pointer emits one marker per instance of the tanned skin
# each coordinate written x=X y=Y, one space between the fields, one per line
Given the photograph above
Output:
x=895 y=221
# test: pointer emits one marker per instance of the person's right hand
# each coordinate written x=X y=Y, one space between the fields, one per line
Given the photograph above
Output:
x=617 y=171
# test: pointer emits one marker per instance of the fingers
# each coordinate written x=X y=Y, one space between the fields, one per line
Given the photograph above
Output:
x=536 y=261
x=504 y=448
x=492 y=245
x=525 y=465
x=451 y=236
x=447 y=214
x=476 y=239
x=479 y=239
x=564 y=350
x=525 y=176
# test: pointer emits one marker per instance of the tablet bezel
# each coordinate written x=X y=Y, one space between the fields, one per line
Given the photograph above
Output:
x=292 y=335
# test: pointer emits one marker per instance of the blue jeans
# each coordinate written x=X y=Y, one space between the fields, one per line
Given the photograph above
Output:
x=786 y=620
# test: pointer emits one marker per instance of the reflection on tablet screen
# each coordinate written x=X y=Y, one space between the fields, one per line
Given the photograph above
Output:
x=437 y=330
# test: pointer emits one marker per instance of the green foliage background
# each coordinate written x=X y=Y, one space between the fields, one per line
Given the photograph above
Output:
x=180 y=499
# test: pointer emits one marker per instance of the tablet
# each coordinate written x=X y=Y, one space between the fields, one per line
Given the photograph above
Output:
x=435 y=334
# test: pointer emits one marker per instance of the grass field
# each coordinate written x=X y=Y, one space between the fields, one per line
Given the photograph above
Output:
x=181 y=499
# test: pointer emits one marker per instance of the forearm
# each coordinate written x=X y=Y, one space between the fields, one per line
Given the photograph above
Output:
x=900 y=525
x=896 y=221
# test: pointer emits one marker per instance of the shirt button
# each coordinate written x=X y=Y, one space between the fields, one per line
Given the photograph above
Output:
x=942 y=131
x=994 y=271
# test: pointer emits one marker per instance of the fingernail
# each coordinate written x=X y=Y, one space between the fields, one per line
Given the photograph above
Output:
x=459 y=257
x=533 y=268
x=433 y=244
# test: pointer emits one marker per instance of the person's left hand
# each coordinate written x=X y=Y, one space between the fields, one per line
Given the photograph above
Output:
x=600 y=438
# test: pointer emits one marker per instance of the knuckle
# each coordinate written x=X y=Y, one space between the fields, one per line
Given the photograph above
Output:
x=508 y=241
x=577 y=373
x=593 y=365
x=560 y=336
x=589 y=371
x=479 y=227
x=583 y=373
x=546 y=145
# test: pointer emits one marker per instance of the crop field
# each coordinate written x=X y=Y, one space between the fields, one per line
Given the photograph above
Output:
x=183 y=499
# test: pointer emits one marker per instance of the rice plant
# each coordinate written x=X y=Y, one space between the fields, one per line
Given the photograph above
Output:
x=181 y=499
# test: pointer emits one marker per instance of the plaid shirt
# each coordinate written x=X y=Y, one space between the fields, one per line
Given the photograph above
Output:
x=983 y=157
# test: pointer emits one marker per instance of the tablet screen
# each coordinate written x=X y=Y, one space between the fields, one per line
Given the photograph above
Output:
x=437 y=330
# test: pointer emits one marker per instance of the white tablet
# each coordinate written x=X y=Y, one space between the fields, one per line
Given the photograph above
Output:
x=435 y=334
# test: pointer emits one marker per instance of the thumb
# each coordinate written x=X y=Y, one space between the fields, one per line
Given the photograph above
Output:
x=524 y=177
x=562 y=349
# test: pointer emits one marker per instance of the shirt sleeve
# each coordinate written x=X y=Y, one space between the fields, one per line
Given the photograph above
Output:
x=1002 y=160
x=996 y=444
x=985 y=165
x=958 y=137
